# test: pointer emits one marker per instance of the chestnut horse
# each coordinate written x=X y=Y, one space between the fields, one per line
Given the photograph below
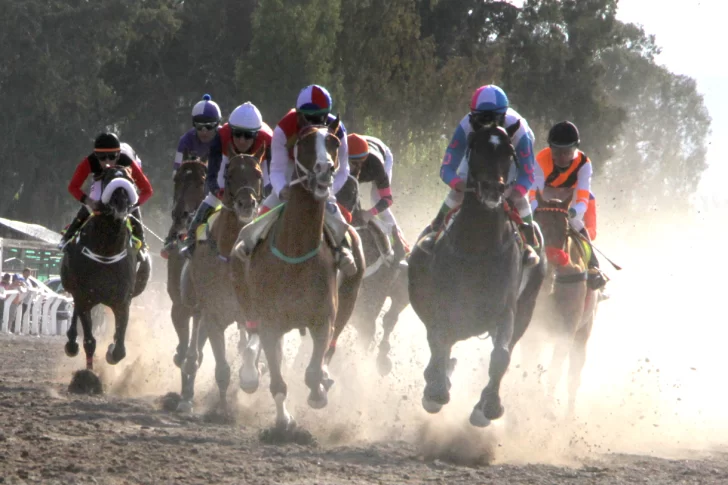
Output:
x=290 y=279
x=570 y=305
x=189 y=190
x=208 y=272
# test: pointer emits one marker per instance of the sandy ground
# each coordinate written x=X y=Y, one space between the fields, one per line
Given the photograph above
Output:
x=651 y=408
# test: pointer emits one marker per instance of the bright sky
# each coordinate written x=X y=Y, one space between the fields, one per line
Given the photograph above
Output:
x=691 y=35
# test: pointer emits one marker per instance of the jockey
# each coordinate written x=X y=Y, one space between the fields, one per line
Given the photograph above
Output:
x=107 y=152
x=370 y=160
x=313 y=107
x=489 y=105
x=196 y=142
x=244 y=133
x=563 y=170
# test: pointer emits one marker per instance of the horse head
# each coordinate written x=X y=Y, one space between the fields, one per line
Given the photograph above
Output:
x=189 y=190
x=316 y=156
x=244 y=185
x=491 y=156
x=553 y=217
x=118 y=192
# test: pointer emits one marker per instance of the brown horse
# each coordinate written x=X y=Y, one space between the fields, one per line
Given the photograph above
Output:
x=384 y=277
x=208 y=272
x=290 y=280
x=570 y=305
x=189 y=190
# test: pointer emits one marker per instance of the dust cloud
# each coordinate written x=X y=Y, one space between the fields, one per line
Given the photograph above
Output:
x=652 y=383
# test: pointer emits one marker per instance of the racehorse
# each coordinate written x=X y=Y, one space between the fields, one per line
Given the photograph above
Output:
x=384 y=277
x=100 y=266
x=571 y=305
x=207 y=274
x=289 y=280
x=473 y=280
x=189 y=190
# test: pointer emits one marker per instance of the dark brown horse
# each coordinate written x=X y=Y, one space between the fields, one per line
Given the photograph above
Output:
x=474 y=281
x=208 y=272
x=290 y=280
x=569 y=304
x=100 y=266
x=384 y=277
x=189 y=190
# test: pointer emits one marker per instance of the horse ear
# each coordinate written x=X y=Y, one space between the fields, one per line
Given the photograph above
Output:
x=334 y=125
x=539 y=198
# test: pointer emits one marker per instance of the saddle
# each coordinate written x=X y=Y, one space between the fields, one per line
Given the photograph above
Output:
x=203 y=230
x=335 y=231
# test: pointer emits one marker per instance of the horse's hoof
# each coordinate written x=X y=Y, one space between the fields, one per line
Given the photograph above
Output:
x=384 y=365
x=184 y=406
x=249 y=378
x=85 y=382
x=318 y=402
x=477 y=418
x=328 y=383
x=71 y=349
x=431 y=407
x=179 y=359
x=494 y=414
x=115 y=354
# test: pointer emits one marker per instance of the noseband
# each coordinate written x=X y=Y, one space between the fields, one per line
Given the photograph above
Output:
x=308 y=176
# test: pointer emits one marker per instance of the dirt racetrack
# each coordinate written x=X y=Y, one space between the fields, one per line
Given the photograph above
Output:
x=50 y=436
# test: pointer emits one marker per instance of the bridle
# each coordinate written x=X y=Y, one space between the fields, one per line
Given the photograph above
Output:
x=302 y=174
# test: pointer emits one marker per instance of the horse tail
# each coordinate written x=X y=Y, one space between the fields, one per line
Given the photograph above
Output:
x=142 y=276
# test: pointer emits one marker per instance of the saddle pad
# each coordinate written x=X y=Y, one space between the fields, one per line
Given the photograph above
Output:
x=203 y=231
x=258 y=229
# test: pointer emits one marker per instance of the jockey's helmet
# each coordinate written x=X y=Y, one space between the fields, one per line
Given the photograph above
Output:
x=246 y=117
x=107 y=142
x=563 y=134
x=206 y=111
x=314 y=102
x=488 y=106
x=358 y=147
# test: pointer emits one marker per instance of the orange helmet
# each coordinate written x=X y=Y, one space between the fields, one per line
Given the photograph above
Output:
x=358 y=146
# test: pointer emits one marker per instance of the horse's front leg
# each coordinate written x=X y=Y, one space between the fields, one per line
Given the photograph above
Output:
x=216 y=334
x=192 y=360
x=89 y=342
x=400 y=300
x=317 y=376
x=489 y=407
x=181 y=321
x=438 y=371
x=272 y=341
x=71 y=347
x=117 y=350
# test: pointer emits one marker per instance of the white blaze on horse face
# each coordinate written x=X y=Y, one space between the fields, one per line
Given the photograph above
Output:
x=495 y=141
x=324 y=163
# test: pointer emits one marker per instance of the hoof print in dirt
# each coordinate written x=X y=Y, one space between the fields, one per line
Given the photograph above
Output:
x=281 y=436
x=170 y=401
x=85 y=382
x=218 y=417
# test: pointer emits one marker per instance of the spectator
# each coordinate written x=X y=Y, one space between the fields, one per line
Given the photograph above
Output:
x=29 y=285
x=18 y=284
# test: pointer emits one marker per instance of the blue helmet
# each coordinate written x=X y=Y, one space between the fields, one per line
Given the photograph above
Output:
x=489 y=98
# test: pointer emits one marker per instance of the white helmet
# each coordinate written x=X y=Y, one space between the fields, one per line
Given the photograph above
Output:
x=247 y=117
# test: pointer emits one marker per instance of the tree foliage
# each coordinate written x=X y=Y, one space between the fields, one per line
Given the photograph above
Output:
x=402 y=70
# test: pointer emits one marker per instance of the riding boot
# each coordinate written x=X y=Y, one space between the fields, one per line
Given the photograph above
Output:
x=596 y=279
x=137 y=231
x=203 y=212
x=432 y=229
x=345 y=259
x=74 y=226
x=530 y=256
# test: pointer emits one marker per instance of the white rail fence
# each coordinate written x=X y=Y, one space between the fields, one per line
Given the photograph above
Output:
x=41 y=316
